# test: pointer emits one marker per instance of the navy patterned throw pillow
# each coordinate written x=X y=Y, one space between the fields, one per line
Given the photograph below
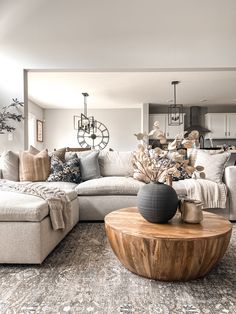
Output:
x=68 y=171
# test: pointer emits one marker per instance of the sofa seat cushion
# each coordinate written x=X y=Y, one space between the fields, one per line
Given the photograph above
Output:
x=109 y=186
x=22 y=207
x=118 y=186
x=113 y=163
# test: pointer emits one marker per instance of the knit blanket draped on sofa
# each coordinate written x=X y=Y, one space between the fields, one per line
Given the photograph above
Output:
x=213 y=195
x=58 y=203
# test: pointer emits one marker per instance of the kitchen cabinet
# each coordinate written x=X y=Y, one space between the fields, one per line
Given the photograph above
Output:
x=221 y=125
x=170 y=131
x=231 y=125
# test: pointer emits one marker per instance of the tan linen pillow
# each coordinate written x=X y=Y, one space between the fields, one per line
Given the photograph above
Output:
x=34 y=166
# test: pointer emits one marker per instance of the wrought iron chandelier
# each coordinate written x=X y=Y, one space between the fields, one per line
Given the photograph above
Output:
x=175 y=112
x=91 y=133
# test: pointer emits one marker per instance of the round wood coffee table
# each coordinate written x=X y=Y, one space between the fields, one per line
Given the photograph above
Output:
x=170 y=252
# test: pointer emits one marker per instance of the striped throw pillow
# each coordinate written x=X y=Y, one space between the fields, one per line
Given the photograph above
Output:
x=34 y=165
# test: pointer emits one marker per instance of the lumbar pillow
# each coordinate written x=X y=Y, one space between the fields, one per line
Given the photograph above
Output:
x=9 y=164
x=34 y=165
x=214 y=164
x=68 y=171
x=89 y=166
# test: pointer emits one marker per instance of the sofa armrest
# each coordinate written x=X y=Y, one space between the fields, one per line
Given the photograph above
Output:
x=230 y=181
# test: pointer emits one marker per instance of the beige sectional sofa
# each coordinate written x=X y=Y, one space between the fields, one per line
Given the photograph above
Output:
x=26 y=234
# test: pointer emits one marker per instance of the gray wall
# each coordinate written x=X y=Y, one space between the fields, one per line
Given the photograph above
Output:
x=38 y=113
x=121 y=123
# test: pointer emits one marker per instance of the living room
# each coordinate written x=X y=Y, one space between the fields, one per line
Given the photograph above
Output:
x=125 y=56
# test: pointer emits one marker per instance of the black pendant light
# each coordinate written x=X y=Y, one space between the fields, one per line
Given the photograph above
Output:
x=175 y=112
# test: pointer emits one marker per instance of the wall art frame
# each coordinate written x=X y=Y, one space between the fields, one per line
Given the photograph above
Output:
x=39 y=130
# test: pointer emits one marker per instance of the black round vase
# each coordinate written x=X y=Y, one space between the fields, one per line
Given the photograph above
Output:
x=157 y=202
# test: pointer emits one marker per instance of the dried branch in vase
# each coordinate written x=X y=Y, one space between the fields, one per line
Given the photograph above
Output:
x=157 y=165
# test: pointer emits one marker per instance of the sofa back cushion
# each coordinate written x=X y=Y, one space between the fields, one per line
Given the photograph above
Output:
x=34 y=165
x=9 y=165
x=113 y=163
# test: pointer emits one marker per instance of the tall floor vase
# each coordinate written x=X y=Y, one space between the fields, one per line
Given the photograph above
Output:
x=157 y=202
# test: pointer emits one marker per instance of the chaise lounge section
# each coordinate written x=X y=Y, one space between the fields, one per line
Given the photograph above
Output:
x=26 y=233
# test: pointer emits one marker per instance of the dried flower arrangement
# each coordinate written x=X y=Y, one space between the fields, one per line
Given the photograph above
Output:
x=6 y=115
x=158 y=165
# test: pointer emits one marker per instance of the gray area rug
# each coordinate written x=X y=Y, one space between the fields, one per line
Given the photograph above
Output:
x=82 y=275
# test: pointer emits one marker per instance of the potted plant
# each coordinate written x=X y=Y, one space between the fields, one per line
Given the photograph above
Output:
x=6 y=114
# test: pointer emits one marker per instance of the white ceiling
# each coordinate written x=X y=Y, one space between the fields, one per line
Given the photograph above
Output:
x=131 y=89
x=106 y=34
x=109 y=33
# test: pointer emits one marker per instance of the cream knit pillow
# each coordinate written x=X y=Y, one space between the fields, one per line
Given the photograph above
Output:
x=214 y=164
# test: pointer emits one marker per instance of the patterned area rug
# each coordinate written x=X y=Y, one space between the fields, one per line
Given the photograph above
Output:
x=82 y=275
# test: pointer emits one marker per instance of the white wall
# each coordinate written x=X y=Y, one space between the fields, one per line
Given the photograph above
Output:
x=108 y=34
x=121 y=123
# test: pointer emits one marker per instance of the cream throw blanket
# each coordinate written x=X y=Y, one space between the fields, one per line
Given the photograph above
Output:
x=212 y=194
x=59 y=204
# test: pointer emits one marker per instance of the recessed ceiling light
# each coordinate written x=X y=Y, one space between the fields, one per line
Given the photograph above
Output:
x=203 y=100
